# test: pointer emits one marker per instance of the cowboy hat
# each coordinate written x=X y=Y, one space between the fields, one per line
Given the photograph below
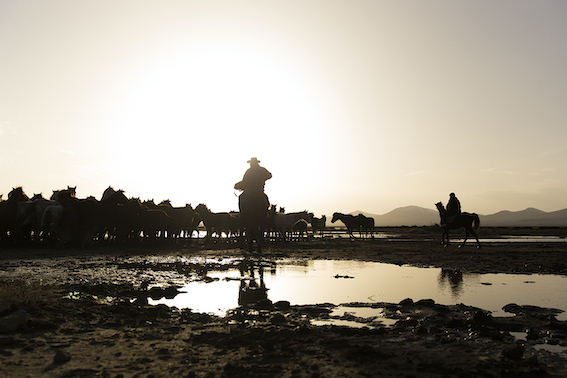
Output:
x=253 y=160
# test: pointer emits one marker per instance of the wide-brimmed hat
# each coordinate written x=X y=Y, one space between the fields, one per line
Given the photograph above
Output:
x=253 y=160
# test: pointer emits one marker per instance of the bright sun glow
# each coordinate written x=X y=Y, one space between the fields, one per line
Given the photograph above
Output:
x=191 y=121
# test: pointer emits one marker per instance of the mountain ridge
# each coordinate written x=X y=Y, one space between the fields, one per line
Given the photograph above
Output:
x=419 y=216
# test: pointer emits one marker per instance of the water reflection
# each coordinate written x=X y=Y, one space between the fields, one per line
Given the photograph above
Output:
x=252 y=289
x=453 y=278
x=303 y=282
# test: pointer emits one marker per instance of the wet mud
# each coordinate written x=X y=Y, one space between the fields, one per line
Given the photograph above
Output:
x=84 y=313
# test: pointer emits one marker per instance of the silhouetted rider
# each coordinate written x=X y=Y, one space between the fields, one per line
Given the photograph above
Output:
x=453 y=208
x=253 y=181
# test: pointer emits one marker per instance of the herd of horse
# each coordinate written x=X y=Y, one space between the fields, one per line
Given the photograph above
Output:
x=64 y=219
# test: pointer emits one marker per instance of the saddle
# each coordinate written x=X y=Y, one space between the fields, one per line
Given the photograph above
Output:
x=448 y=219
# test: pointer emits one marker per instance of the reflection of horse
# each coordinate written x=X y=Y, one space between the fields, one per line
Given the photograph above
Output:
x=284 y=221
x=254 y=217
x=470 y=222
x=352 y=223
x=454 y=278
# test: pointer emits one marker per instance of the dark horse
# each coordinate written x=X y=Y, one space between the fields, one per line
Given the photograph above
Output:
x=254 y=217
x=470 y=222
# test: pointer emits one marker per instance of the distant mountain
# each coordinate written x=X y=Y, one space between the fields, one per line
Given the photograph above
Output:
x=529 y=217
x=405 y=216
x=419 y=216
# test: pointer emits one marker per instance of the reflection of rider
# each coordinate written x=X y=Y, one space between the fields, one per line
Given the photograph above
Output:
x=453 y=208
x=250 y=290
x=253 y=181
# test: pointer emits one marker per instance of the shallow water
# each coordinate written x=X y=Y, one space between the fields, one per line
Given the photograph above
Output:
x=340 y=282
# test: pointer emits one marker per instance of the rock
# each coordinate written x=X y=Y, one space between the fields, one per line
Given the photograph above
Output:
x=515 y=352
x=5 y=308
x=482 y=317
x=264 y=304
x=278 y=319
x=7 y=340
x=13 y=322
x=282 y=305
x=407 y=302
x=41 y=323
x=61 y=356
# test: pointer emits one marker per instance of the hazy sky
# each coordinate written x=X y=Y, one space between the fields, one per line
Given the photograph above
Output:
x=352 y=105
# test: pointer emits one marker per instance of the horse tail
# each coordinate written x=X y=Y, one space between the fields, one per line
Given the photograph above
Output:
x=476 y=221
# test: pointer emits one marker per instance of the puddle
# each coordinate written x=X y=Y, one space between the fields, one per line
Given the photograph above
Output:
x=555 y=348
x=343 y=282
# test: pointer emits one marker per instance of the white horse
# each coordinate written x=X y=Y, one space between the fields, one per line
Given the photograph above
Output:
x=284 y=222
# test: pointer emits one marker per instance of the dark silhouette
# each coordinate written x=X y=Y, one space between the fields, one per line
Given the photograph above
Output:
x=454 y=278
x=218 y=223
x=253 y=203
x=9 y=213
x=253 y=182
x=453 y=210
x=352 y=223
x=318 y=224
x=469 y=221
x=252 y=290
x=284 y=222
x=366 y=225
x=300 y=227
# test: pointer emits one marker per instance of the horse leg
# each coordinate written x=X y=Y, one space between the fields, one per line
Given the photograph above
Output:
x=466 y=237
x=250 y=237
x=476 y=237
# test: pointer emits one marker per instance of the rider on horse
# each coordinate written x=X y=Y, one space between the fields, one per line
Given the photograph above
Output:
x=453 y=209
x=253 y=182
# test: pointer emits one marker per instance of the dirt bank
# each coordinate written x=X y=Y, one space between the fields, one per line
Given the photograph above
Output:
x=80 y=323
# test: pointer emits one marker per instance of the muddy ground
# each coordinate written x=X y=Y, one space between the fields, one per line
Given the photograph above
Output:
x=82 y=313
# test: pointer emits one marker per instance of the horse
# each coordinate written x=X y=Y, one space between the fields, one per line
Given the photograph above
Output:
x=254 y=218
x=301 y=228
x=215 y=222
x=469 y=221
x=353 y=223
x=28 y=221
x=318 y=224
x=80 y=221
x=183 y=215
x=366 y=225
x=9 y=212
x=284 y=222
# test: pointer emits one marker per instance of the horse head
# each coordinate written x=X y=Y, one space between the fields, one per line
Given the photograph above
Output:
x=440 y=207
x=72 y=190
x=17 y=195
x=165 y=203
x=108 y=192
x=201 y=209
x=336 y=217
x=36 y=197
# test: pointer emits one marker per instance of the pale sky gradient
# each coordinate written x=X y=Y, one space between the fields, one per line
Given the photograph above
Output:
x=352 y=105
